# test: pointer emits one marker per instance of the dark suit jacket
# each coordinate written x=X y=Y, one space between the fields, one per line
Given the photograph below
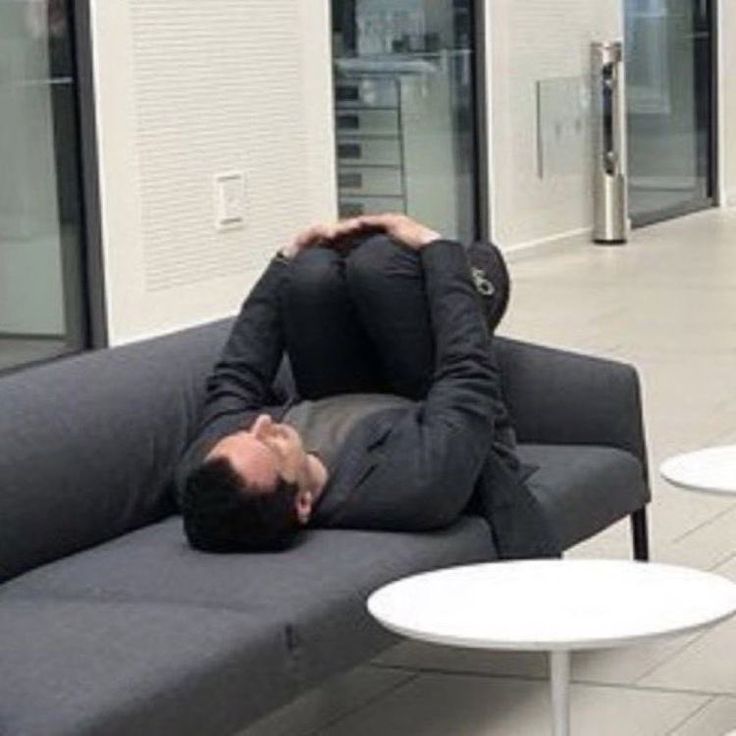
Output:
x=410 y=469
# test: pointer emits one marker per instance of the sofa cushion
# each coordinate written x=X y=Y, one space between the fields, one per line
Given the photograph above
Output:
x=91 y=668
x=582 y=488
x=89 y=443
x=317 y=590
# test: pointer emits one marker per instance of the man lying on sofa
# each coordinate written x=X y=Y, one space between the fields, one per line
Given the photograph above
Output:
x=398 y=424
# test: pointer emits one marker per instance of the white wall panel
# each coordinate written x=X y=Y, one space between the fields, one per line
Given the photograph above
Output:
x=187 y=90
x=528 y=41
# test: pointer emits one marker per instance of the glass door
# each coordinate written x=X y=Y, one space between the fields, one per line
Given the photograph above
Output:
x=405 y=110
x=670 y=74
x=41 y=305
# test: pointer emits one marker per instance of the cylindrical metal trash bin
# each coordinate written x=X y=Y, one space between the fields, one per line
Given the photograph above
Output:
x=611 y=211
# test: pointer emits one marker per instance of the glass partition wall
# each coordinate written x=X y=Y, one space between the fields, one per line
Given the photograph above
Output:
x=670 y=71
x=41 y=306
x=405 y=110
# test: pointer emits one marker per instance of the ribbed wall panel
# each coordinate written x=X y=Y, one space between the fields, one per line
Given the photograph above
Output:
x=187 y=90
x=218 y=87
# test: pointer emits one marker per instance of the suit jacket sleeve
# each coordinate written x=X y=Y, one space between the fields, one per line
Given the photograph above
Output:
x=466 y=381
x=243 y=376
x=423 y=472
x=241 y=380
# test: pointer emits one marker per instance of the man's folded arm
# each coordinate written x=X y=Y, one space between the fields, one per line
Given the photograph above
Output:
x=426 y=469
x=455 y=425
x=466 y=382
x=242 y=378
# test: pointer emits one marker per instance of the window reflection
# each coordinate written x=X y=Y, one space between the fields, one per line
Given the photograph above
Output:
x=40 y=295
x=669 y=73
x=404 y=113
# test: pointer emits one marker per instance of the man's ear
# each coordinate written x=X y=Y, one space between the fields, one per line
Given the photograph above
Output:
x=304 y=502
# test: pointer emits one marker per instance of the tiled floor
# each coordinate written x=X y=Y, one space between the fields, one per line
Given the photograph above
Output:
x=667 y=303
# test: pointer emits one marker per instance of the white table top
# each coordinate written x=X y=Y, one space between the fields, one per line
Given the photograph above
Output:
x=553 y=604
x=712 y=470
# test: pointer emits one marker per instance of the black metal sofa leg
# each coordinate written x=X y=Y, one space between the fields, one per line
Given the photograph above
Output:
x=640 y=535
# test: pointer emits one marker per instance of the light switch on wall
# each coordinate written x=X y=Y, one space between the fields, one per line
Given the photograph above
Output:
x=230 y=200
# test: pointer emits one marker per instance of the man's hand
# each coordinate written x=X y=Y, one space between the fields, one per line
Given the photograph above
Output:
x=337 y=234
x=328 y=234
x=401 y=228
x=317 y=234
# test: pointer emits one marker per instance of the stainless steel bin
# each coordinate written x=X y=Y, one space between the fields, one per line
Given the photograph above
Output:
x=611 y=212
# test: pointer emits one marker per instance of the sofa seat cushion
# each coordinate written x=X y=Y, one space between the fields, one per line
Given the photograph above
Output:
x=583 y=488
x=94 y=668
x=315 y=591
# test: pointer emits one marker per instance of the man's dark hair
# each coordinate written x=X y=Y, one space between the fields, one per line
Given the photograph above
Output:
x=223 y=514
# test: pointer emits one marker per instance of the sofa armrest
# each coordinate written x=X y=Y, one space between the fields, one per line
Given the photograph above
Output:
x=559 y=397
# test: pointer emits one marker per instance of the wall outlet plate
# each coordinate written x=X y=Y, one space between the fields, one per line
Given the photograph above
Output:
x=229 y=188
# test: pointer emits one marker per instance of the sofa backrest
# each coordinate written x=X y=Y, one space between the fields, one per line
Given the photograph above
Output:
x=88 y=444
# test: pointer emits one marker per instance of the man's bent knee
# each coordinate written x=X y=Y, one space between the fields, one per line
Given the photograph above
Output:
x=379 y=257
x=315 y=271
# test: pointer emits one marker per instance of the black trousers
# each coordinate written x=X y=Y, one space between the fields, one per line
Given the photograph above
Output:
x=358 y=323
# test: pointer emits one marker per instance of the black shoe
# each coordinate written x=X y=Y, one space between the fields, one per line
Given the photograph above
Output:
x=491 y=279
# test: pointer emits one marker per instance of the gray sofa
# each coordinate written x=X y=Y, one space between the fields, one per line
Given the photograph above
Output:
x=110 y=625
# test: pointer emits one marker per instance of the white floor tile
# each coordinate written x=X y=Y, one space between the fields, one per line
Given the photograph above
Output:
x=705 y=547
x=314 y=711
x=707 y=665
x=718 y=718
x=445 y=705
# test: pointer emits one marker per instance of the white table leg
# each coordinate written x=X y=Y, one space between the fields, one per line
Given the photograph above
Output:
x=559 y=677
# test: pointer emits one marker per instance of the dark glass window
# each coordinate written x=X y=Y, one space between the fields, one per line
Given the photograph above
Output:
x=405 y=110
x=41 y=313
x=670 y=98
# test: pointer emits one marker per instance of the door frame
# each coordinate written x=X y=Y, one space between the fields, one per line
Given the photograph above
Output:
x=481 y=71
x=92 y=264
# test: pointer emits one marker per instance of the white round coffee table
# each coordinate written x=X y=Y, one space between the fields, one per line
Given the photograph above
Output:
x=556 y=606
x=712 y=470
